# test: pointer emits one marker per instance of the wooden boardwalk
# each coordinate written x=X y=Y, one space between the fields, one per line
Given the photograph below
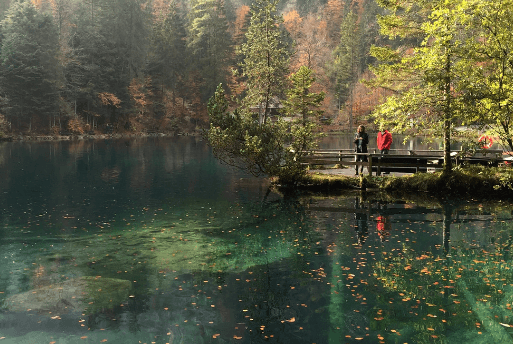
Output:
x=403 y=161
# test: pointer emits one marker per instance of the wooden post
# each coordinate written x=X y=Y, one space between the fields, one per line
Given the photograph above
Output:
x=370 y=165
x=378 y=172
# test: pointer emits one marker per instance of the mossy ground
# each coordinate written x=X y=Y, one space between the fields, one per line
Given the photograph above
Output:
x=474 y=181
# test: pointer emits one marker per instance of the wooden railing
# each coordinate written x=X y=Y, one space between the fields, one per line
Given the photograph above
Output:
x=409 y=161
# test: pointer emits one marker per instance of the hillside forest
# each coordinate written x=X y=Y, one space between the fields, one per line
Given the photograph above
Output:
x=83 y=66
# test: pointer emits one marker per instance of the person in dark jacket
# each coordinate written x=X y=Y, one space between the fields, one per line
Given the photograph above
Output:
x=361 y=141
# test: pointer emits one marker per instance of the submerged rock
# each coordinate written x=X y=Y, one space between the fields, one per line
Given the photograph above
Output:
x=86 y=295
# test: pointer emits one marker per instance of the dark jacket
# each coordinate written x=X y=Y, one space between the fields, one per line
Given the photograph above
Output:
x=361 y=145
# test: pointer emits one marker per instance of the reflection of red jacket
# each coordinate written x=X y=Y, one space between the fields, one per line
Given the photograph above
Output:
x=384 y=140
x=383 y=226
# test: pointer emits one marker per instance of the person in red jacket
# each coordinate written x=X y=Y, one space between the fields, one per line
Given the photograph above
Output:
x=384 y=141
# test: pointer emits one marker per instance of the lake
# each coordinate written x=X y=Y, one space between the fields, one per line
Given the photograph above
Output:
x=152 y=240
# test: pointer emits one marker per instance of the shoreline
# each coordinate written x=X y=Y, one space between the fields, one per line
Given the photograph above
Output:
x=477 y=182
x=13 y=138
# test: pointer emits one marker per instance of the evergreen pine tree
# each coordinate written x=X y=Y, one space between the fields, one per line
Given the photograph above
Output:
x=266 y=59
x=28 y=62
x=209 y=42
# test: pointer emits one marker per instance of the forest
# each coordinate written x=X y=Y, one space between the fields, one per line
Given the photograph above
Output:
x=425 y=67
x=84 y=66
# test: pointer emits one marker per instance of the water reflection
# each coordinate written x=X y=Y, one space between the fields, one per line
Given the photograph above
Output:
x=383 y=226
x=360 y=219
x=434 y=279
x=212 y=256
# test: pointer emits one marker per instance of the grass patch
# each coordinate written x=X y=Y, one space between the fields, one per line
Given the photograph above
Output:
x=473 y=181
x=326 y=167
x=487 y=182
x=320 y=183
x=330 y=181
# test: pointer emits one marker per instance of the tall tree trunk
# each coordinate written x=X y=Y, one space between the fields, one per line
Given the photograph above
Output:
x=447 y=116
x=447 y=145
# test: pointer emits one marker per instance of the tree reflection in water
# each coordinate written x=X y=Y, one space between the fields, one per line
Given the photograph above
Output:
x=214 y=256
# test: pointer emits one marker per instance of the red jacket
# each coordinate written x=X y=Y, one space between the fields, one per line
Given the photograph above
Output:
x=384 y=140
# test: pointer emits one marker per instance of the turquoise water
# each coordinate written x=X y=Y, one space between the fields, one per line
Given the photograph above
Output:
x=183 y=249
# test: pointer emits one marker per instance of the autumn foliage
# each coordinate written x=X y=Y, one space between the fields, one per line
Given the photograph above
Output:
x=148 y=71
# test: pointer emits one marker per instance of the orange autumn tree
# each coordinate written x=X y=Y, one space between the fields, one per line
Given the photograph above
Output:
x=160 y=10
x=292 y=22
x=140 y=95
x=241 y=22
x=109 y=99
x=365 y=100
x=311 y=50
x=333 y=14
x=43 y=4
